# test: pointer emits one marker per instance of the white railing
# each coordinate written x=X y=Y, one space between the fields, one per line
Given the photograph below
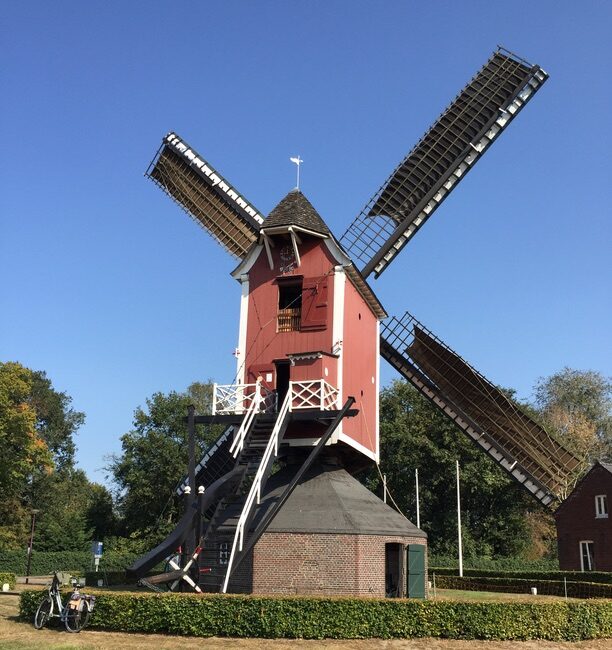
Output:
x=256 y=398
x=254 y=496
x=316 y=394
x=229 y=399
x=252 y=410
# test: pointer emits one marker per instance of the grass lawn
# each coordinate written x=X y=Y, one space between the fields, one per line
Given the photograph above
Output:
x=490 y=596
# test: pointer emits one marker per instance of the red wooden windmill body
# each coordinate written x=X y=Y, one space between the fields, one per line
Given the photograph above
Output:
x=310 y=323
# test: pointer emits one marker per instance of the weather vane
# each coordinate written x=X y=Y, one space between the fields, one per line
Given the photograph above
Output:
x=297 y=160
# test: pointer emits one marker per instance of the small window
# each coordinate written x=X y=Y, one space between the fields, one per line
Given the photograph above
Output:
x=289 y=305
x=587 y=556
x=601 y=506
x=224 y=553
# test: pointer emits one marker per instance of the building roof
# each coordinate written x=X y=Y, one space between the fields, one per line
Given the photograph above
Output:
x=296 y=210
x=577 y=488
x=329 y=500
x=607 y=466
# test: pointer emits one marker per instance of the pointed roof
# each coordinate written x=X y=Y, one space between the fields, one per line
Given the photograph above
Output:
x=570 y=497
x=329 y=500
x=296 y=210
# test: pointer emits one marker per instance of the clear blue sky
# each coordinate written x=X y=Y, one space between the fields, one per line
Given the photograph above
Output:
x=115 y=293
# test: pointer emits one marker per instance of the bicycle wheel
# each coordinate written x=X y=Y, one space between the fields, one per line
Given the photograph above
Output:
x=86 y=613
x=43 y=613
x=77 y=618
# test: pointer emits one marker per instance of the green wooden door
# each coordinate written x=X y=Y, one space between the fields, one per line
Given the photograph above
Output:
x=416 y=571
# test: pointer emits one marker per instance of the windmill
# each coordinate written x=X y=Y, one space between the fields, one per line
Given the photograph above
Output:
x=306 y=388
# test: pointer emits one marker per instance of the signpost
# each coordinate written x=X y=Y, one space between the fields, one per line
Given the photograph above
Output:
x=96 y=549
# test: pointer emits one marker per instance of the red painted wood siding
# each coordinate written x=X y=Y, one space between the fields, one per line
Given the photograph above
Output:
x=264 y=344
x=360 y=368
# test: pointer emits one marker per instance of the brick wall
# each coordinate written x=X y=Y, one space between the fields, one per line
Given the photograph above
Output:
x=324 y=564
x=576 y=522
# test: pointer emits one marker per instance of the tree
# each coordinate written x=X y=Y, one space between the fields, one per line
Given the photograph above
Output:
x=100 y=514
x=577 y=405
x=62 y=523
x=23 y=451
x=415 y=434
x=37 y=425
x=56 y=420
x=154 y=459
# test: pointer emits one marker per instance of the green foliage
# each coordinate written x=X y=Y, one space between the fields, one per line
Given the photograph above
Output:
x=340 y=618
x=9 y=578
x=601 y=577
x=415 y=434
x=56 y=420
x=511 y=584
x=62 y=523
x=154 y=459
x=114 y=578
x=109 y=578
x=37 y=425
x=577 y=405
x=489 y=566
x=100 y=513
x=23 y=451
x=46 y=562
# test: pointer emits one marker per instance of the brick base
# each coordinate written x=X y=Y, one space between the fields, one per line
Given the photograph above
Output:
x=322 y=564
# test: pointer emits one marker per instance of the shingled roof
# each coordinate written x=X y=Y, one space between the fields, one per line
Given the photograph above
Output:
x=329 y=500
x=296 y=210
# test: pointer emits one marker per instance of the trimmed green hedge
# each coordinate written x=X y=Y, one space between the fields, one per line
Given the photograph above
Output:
x=46 y=562
x=8 y=577
x=523 y=586
x=495 y=564
x=341 y=618
x=603 y=577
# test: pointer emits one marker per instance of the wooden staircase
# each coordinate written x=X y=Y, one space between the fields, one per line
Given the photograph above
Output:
x=222 y=527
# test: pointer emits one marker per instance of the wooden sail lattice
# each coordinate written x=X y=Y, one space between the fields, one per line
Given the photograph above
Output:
x=210 y=207
x=540 y=455
x=441 y=158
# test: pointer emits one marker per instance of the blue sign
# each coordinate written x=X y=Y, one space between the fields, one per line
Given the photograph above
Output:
x=96 y=548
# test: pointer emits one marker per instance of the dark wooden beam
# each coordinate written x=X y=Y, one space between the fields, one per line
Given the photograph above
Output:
x=265 y=522
x=296 y=416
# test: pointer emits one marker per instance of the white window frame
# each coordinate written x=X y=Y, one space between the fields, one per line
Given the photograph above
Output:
x=601 y=506
x=591 y=555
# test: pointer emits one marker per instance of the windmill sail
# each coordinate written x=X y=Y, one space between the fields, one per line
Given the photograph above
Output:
x=441 y=158
x=205 y=195
x=492 y=420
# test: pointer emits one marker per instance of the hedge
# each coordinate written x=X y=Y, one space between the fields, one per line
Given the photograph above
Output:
x=603 y=577
x=8 y=577
x=523 y=586
x=112 y=578
x=46 y=562
x=495 y=564
x=341 y=618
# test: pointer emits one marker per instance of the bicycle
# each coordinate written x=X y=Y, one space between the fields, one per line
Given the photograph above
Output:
x=74 y=614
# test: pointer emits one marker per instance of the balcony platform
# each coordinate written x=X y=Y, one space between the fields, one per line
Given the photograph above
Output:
x=295 y=416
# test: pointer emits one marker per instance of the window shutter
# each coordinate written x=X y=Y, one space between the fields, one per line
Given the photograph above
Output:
x=314 y=304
